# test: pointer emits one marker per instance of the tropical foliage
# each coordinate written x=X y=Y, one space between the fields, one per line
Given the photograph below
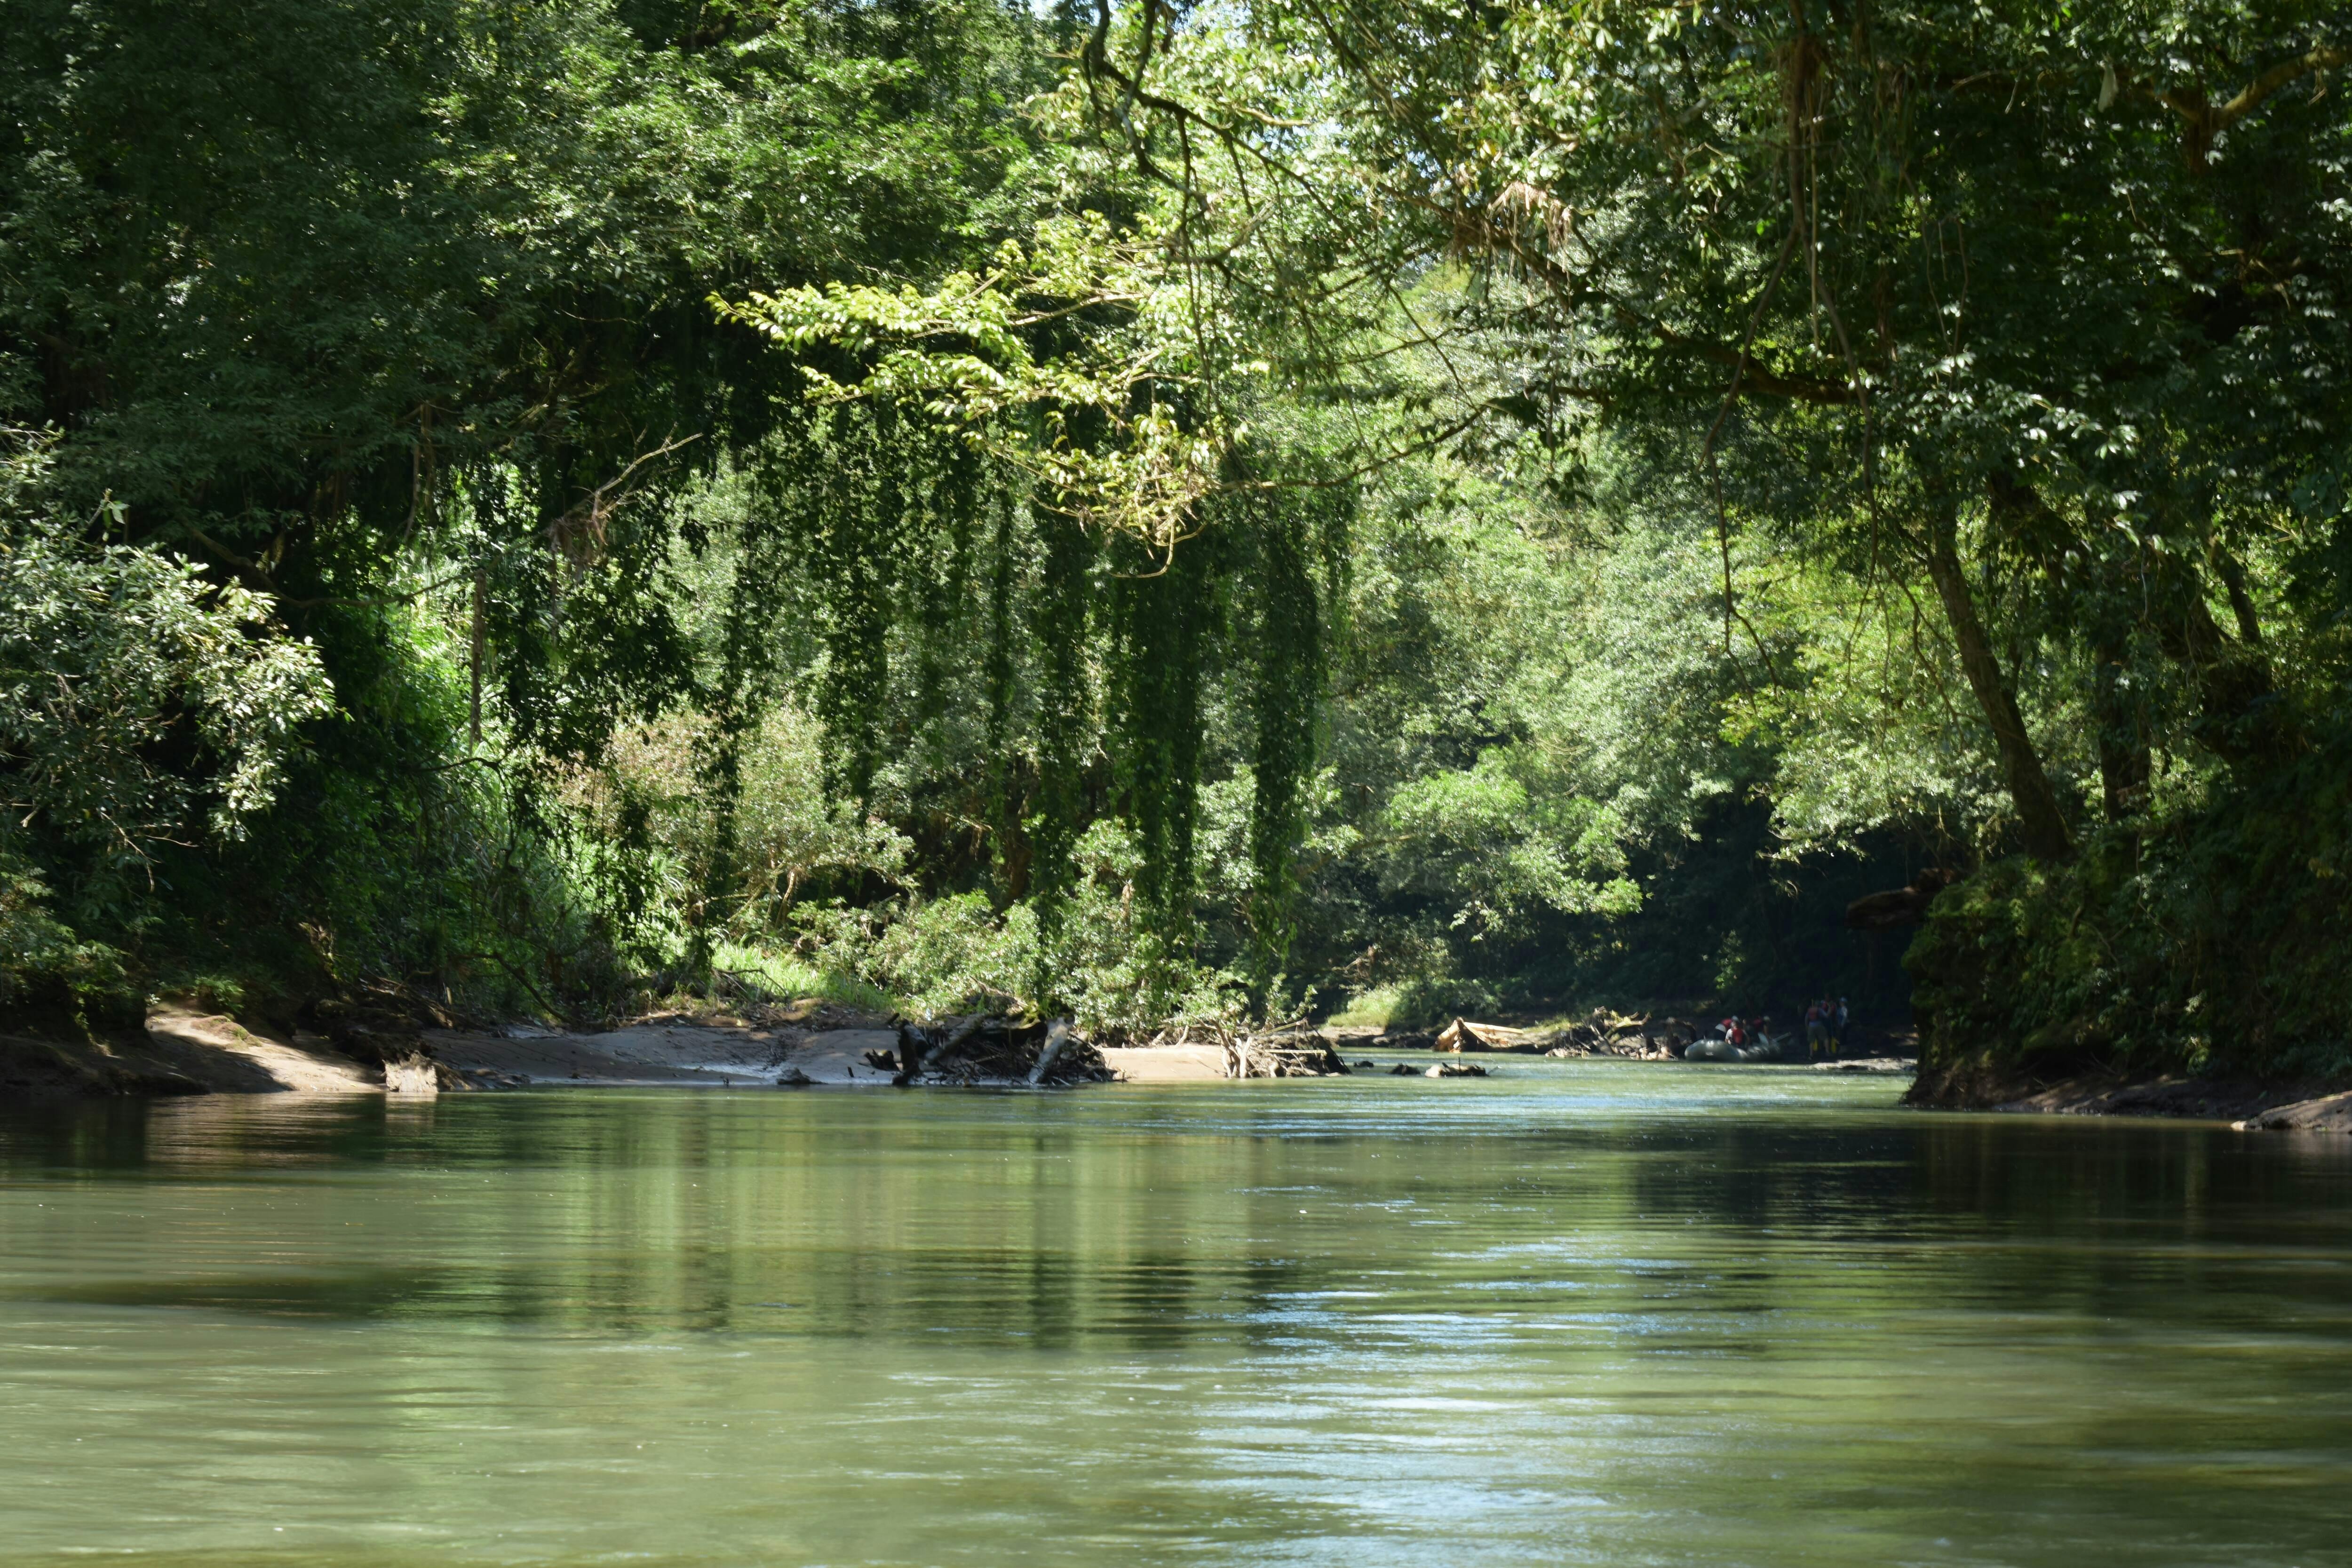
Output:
x=1173 y=511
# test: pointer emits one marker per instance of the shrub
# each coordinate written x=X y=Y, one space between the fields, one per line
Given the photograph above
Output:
x=2216 y=942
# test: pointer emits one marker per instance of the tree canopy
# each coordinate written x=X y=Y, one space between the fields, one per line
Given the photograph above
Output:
x=1163 y=511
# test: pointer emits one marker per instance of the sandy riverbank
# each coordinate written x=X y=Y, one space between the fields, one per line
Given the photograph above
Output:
x=183 y=1052
x=187 y=1051
x=686 y=1053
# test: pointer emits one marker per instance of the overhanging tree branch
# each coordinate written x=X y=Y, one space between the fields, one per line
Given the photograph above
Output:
x=2207 y=120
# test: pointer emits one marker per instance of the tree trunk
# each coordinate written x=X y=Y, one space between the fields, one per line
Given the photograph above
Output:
x=2241 y=603
x=2240 y=719
x=2089 y=586
x=2043 y=825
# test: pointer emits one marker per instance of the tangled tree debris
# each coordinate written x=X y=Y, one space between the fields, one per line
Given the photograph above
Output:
x=1291 y=1051
x=983 y=1049
x=1463 y=1035
x=1640 y=1037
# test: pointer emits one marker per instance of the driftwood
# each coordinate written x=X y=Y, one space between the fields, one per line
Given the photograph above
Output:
x=1285 y=1052
x=1637 y=1036
x=1602 y=1035
x=981 y=1048
x=1057 y=1034
x=964 y=1029
x=1292 y=1051
x=1464 y=1036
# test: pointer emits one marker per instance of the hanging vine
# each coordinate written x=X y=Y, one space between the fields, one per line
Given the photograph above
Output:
x=1292 y=533
x=1165 y=633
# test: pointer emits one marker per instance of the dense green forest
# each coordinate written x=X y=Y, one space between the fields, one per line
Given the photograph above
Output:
x=1175 y=512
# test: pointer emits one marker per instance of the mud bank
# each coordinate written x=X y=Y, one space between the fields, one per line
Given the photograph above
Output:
x=858 y=1054
x=187 y=1051
x=2252 y=1104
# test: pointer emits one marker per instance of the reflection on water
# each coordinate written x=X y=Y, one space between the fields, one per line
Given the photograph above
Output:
x=1580 y=1312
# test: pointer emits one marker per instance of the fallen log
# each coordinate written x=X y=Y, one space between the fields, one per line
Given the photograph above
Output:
x=1464 y=1036
x=1288 y=1053
x=964 y=1029
x=1057 y=1034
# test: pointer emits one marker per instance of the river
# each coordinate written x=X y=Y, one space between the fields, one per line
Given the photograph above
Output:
x=1577 y=1312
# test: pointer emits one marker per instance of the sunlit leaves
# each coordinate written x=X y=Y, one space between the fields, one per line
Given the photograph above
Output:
x=138 y=704
x=1094 y=423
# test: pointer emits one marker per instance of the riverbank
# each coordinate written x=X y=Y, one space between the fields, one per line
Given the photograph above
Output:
x=842 y=1052
x=2300 y=1104
x=183 y=1052
x=187 y=1051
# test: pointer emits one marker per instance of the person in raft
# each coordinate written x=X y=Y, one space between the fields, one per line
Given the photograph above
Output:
x=1817 y=1029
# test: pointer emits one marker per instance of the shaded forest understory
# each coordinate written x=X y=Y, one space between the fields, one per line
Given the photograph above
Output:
x=1151 y=513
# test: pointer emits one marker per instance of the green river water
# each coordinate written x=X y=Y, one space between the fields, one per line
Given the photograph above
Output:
x=1577 y=1312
